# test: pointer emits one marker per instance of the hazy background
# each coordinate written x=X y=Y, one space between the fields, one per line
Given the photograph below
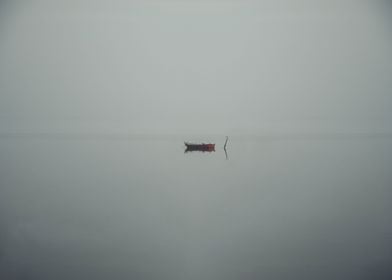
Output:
x=195 y=66
x=97 y=97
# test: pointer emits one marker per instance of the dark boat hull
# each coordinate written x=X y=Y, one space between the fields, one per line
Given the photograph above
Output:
x=199 y=147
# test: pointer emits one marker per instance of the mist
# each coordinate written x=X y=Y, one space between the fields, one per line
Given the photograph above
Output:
x=101 y=100
x=195 y=67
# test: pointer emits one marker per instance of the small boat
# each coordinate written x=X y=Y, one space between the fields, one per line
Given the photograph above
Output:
x=199 y=147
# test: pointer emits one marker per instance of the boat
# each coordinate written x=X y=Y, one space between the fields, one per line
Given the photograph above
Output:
x=190 y=147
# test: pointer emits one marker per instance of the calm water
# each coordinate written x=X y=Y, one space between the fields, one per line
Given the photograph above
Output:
x=108 y=207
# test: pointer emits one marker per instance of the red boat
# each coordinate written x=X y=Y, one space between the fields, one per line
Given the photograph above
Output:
x=199 y=147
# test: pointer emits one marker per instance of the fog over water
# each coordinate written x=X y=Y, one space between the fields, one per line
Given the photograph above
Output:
x=195 y=67
x=140 y=208
x=98 y=97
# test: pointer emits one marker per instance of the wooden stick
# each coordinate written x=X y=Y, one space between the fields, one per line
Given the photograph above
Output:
x=227 y=138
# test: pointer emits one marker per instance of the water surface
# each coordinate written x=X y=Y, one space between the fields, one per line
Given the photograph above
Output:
x=127 y=207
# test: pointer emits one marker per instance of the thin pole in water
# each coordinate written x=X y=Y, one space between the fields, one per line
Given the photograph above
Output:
x=224 y=147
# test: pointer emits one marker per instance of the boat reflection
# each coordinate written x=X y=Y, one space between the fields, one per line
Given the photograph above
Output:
x=199 y=147
x=192 y=147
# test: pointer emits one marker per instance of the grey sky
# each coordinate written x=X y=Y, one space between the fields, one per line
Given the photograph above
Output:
x=191 y=66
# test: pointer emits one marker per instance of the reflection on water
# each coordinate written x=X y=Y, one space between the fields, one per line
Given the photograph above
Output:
x=139 y=208
x=199 y=147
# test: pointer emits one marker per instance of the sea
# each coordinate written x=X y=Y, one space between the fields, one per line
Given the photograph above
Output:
x=273 y=206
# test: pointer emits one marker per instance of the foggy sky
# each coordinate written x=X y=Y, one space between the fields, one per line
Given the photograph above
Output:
x=195 y=66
